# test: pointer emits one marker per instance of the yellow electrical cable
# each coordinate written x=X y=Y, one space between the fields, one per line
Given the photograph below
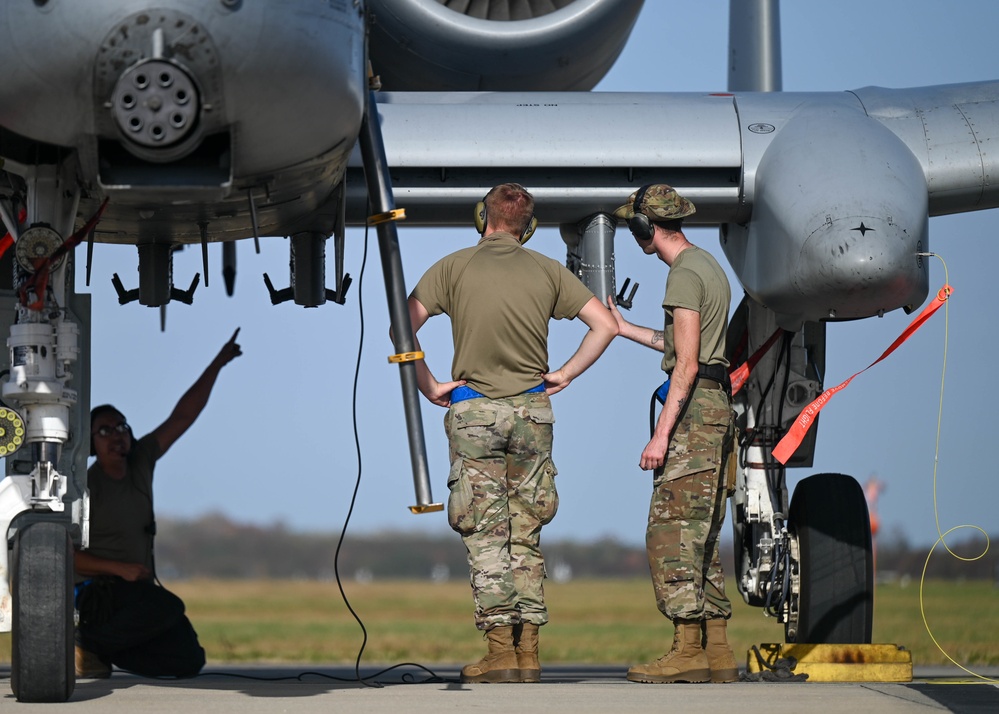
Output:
x=941 y=537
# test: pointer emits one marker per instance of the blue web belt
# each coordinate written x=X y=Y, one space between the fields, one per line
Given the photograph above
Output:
x=78 y=588
x=716 y=373
x=660 y=394
x=460 y=394
x=713 y=372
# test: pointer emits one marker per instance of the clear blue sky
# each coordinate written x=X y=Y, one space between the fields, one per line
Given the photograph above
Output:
x=275 y=443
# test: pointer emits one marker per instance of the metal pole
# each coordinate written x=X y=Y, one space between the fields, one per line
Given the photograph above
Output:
x=382 y=202
x=754 y=46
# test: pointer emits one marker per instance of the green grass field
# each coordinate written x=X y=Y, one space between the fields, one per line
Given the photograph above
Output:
x=599 y=621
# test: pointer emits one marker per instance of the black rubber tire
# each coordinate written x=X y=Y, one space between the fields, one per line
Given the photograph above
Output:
x=42 y=658
x=829 y=517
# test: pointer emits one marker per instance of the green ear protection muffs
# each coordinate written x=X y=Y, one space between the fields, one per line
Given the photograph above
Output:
x=480 y=222
x=639 y=224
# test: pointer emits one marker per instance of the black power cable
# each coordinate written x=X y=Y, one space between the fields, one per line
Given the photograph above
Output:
x=433 y=677
x=369 y=680
x=353 y=499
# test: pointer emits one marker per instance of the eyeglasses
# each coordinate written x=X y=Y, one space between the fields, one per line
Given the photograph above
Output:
x=122 y=428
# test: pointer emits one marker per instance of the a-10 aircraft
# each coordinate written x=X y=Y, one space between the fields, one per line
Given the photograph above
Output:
x=193 y=122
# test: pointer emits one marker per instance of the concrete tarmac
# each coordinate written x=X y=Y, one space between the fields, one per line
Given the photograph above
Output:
x=563 y=690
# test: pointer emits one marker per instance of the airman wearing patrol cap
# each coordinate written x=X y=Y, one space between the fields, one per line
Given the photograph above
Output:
x=689 y=443
x=657 y=203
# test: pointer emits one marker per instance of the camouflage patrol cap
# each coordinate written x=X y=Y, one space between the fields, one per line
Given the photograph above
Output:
x=660 y=203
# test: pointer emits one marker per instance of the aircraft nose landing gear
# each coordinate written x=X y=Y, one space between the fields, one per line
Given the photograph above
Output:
x=43 y=499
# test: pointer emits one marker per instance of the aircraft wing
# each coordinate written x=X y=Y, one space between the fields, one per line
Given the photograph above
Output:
x=834 y=187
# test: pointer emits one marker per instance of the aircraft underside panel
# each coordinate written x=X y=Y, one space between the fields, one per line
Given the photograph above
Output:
x=712 y=150
x=188 y=104
x=440 y=166
x=243 y=61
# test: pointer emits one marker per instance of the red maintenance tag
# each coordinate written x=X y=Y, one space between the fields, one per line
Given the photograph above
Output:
x=8 y=240
x=740 y=375
x=787 y=446
x=39 y=280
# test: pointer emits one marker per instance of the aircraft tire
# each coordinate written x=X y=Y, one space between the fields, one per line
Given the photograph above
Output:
x=42 y=664
x=828 y=516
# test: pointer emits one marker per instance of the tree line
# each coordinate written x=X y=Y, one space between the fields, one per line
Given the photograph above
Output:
x=214 y=546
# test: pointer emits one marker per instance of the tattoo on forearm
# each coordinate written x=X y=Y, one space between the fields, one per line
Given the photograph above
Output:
x=657 y=336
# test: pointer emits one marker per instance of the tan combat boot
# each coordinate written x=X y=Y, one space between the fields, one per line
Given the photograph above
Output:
x=685 y=662
x=90 y=665
x=525 y=643
x=719 y=652
x=499 y=664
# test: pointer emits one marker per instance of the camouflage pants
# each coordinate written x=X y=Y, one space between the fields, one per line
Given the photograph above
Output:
x=688 y=510
x=502 y=484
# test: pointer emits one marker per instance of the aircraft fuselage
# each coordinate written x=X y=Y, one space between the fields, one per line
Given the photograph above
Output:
x=180 y=112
